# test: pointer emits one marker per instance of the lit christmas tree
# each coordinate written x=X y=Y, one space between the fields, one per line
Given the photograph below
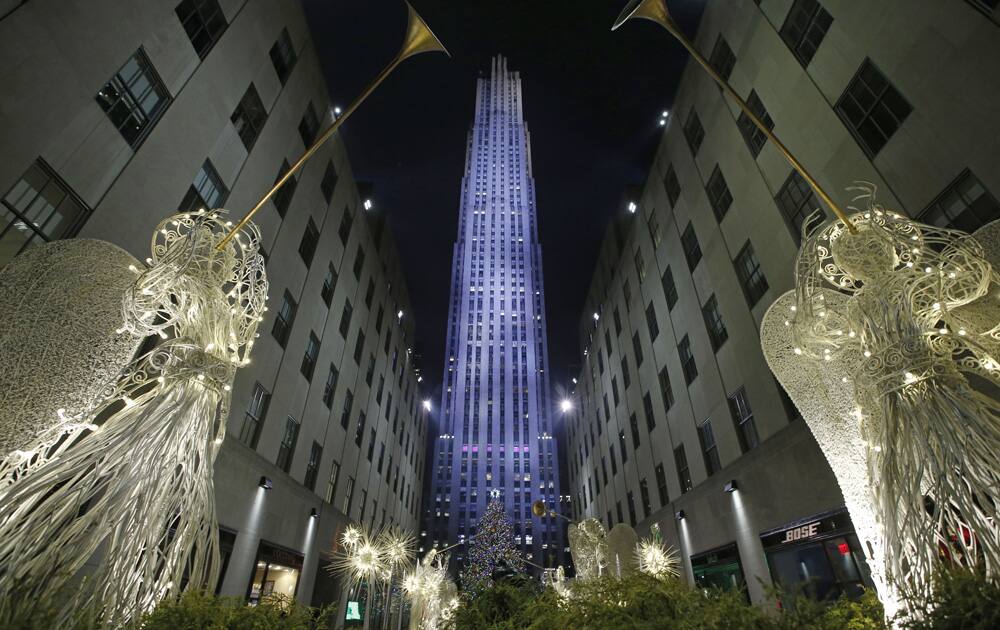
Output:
x=492 y=548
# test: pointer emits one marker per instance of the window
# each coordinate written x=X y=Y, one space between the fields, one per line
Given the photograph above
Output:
x=359 y=262
x=329 y=285
x=344 y=230
x=254 y=419
x=284 y=319
x=872 y=109
x=797 y=201
x=203 y=22
x=742 y=414
x=621 y=443
x=630 y=499
x=349 y=494
x=651 y=323
x=249 y=117
x=637 y=348
x=307 y=248
x=287 y=448
x=283 y=197
x=633 y=423
x=964 y=205
x=647 y=408
x=359 y=432
x=331 y=484
x=687 y=360
x=309 y=359
x=754 y=137
x=371 y=443
x=345 y=414
x=654 y=229
x=331 y=386
x=618 y=321
x=661 y=485
x=626 y=377
x=750 y=274
x=694 y=132
x=370 y=292
x=329 y=183
x=709 y=448
x=312 y=466
x=309 y=125
x=669 y=288
x=39 y=208
x=614 y=389
x=283 y=56
x=683 y=471
x=692 y=249
x=718 y=193
x=672 y=185
x=713 y=323
x=359 y=347
x=345 y=319
x=804 y=29
x=207 y=191
x=640 y=265
x=134 y=98
x=722 y=58
x=665 y=390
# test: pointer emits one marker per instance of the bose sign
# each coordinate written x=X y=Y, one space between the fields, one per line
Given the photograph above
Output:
x=801 y=533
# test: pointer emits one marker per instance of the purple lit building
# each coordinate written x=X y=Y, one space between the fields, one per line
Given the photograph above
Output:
x=495 y=422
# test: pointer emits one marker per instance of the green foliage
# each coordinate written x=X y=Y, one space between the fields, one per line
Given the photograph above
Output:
x=864 y=613
x=962 y=600
x=492 y=546
x=195 y=610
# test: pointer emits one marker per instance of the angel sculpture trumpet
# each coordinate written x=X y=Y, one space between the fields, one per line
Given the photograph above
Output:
x=138 y=484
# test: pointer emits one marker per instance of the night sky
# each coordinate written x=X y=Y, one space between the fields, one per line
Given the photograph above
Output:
x=592 y=100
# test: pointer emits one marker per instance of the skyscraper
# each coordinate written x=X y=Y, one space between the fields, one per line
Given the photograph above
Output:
x=495 y=426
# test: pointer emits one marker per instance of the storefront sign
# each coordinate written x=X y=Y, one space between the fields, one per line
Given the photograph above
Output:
x=821 y=526
x=353 y=611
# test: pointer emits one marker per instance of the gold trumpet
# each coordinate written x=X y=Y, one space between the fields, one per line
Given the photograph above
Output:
x=656 y=11
x=538 y=509
x=419 y=39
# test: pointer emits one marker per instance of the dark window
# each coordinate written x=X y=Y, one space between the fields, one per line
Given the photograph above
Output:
x=359 y=262
x=359 y=346
x=666 y=390
x=203 y=22
x=647 y=505
x=683 y=471
x=637 y=348
x=621 y=443
x=254 y=419
x=709 y=448
x=331 y=386
x=742 y=414
x=640 y=265
x=329 y=183
x=312 y=466
x=797 y=201
x=669 y=288
x=633 y=423
x=872 y=109
x=614 y=389
x=964 y=205
x=284 y=319
x=249 y=117
x=283 y=197
x=654 y=229
x=687 y=360
x=331 y=484
x=309 y=359
x=631 y=508
x=692 y=249
x=626 y=377
x=661 y=485
x=307 y=248
x=329 y=285
x=651 y=323
x=309 y=125
x=672 y=186
x=370 y=292
x=345 y=414
x=134 y=99
x=647 y=408
x=283 y=56
x=751 y=276
x=755 y=138
x=206 y=192
x=722 y=58
x=618 y=322
x=371 y=444
x=607 y=342
x=39 y=208
x=717 y=332
x=694 y=132
x=359 y=432
x=345 y=319
x=287 y=448
x=344 y=230
x=804 y=29
x=718 y=193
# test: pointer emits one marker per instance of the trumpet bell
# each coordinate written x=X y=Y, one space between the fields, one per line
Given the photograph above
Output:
x=654 y=10
x=419 y=38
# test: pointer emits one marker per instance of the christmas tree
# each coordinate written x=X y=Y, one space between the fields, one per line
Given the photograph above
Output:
x=492 y=548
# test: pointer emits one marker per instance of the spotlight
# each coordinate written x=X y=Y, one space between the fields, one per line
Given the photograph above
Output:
x=597 y=316
x=368 y=204
x=427 y=405
x=265 y=483
x=313 y=513
x=336 y=111
x=565 y=405
x=732 y=486
x=632 y=207
x=680 y=515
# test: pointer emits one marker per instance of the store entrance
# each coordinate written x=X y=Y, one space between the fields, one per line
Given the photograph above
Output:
x=276 y=573
x=719 y=568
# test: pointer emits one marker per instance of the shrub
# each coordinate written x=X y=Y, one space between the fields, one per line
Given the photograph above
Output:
x=197 y=610
x=961 y=599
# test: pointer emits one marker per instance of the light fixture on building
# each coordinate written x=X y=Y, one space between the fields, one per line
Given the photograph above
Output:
x=565 y=405
x=632 y=207
x=336 y=111
x=574 y=381
x=420 y=379
x=399 y=315
x=597 y=316
x=663 y=118
x=732 y=486
x=265 y=483
x=680 y=515
x=427 y=405
x=368 y=204
x=313 y=513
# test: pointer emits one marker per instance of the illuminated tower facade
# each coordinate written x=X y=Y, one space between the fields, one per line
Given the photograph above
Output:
x=495 y=422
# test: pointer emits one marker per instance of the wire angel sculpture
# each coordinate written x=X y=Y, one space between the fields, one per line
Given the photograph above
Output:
x=888 y=348
x=432 y=593
x=588 y=544
x=136 y=484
